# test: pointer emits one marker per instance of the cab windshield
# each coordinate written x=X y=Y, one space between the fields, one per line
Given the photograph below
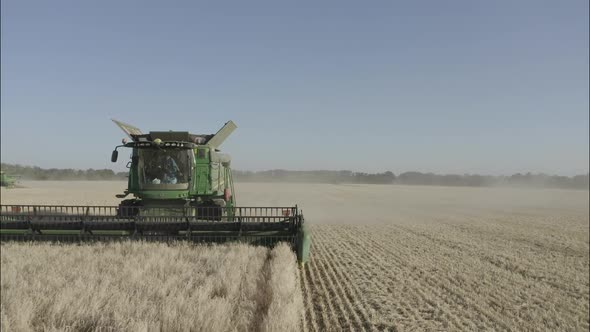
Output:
x=165 y=169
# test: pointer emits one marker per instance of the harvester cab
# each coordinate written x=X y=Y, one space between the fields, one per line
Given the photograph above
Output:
x=182 y=189
x=178 y=168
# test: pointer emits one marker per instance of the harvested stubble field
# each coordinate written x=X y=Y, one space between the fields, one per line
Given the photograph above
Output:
x=420 y=258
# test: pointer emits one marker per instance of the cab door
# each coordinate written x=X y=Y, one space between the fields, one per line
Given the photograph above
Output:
x=201 y=185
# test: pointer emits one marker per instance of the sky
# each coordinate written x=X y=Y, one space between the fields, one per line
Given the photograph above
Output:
x=488 y=87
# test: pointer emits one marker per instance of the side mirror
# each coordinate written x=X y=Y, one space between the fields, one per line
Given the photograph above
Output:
x=114 y=156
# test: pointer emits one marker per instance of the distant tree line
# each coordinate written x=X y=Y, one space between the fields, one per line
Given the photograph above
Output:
x=516 y=180
x=280 y=175
x=38 y=173
x=334 y=177
x=416 y=178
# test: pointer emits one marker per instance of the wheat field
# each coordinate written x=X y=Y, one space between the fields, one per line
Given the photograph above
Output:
x=149 y=287
x=410 y=258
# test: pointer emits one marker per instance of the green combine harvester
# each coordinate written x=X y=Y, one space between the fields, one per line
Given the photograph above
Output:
x=7 y=180
x=182 y=189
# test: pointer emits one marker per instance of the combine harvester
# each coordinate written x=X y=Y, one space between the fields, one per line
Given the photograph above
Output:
x=182 y=189
x=6 y=180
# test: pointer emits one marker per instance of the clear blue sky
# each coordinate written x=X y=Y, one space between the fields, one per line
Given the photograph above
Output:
x=493 y=87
